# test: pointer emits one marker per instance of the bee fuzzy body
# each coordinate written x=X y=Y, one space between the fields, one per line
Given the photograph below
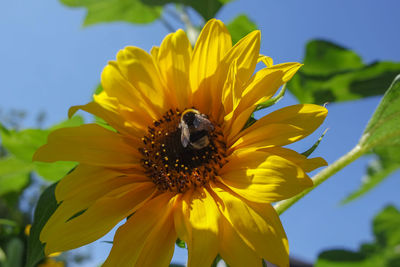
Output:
x=195 y=128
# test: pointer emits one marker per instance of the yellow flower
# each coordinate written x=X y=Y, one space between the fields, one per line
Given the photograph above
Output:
x=197 y=176
x=51 y=263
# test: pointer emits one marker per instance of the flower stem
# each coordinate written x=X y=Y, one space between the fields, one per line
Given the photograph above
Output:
x=323 y=175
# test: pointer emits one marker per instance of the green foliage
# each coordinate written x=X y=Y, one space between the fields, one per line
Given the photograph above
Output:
x=272 y=101
x=382 y=137
x=387 y=162
x=98 y=11
x=309 y=151
x=240 y=27
x=46 y=206
x=180 y=243
x=332 y=73
x=14 y=174
x=15 y=168
x=98 y=89
x=386 y=227
x=384 y=251
x=206 y=8
x=23 y=144
x=14 y=252
x=142 y=11
x=384 y=127
x=216 y=261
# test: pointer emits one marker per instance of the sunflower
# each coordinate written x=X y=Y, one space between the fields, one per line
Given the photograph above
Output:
x=176 y=160
x=51 y=263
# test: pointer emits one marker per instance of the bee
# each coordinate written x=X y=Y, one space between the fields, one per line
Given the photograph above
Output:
x=195 y=129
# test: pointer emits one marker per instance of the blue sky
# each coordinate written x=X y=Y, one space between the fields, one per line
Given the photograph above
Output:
x=50 y=62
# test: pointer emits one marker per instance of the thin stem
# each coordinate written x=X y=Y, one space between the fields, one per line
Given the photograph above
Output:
x=322 y=176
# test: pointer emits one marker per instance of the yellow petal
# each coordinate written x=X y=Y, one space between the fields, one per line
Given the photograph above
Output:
x=51 y=263
x=148 y=236
x=257 y=224
x=85 y=180
x=283 y=126
x=260 y=176
x=138 y=67
x=154 y=53
x=96 y=221
x=231 y=91
x=84 y=198
x=245 y=52
x=268 y=61
x=266 y=82
x=232 y=248
x=197 y=223
x=261 y=87
x=302 y=161
x=136 y=117
x=174 y=63
x=90 y=144
x=115 y=118
x=116 y=85
x=212 y=44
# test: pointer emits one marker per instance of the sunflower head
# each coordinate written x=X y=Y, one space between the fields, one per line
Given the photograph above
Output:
x=178 y=161
x=182 y=150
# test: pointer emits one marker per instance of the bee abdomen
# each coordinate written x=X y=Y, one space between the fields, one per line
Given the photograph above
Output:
x=201 y=143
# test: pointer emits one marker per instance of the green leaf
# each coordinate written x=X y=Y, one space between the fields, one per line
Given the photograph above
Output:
x=386 y=227
x=272 y=101
x=250 y=121
x=384 y=127
x=309 y=151
x=98 y=89
x=383 y=251
x=240 y=27
x=22 y=145
x=325 y=58
x=72 y=122
x=14 y=175
x=377 y=171
x=53 y=171
x=14 y=252
x=180 y=243
x=216 y=261
x=3 y=257
x=332 y=73
x=206 y=8
x=99 y=11
x=8 y=222
x=46 y=206
x=345 y=258
x=382 y=137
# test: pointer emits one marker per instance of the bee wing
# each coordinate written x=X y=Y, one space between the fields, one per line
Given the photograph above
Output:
x=185 y=134
x=202 y=123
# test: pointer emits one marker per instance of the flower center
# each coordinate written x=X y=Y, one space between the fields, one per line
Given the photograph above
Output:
x=183 y=150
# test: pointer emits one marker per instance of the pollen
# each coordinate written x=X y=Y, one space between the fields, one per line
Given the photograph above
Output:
x=173 y=167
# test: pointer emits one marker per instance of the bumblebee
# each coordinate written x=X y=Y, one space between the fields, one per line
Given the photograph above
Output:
x=195 y=129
